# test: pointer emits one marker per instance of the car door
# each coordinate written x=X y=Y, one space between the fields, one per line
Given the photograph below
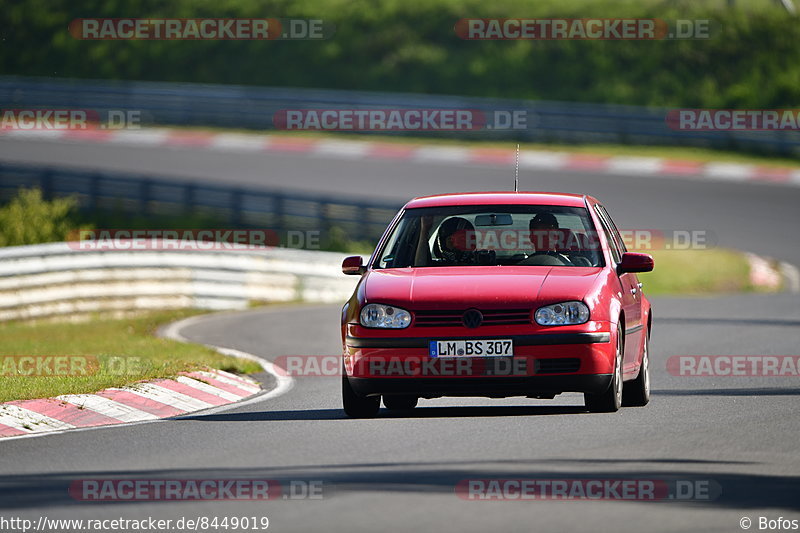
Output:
x=631 y=294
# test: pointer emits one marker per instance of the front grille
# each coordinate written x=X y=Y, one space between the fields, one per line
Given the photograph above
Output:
x=453 y=318
x=561 y=365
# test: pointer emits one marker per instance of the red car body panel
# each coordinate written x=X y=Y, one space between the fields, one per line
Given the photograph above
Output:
x=457 y=288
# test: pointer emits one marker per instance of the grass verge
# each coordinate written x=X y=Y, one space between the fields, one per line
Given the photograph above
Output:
x=126 y=351
x=696 y=272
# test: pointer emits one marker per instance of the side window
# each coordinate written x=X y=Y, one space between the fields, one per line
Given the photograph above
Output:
x=398 y=250
x=610 y=232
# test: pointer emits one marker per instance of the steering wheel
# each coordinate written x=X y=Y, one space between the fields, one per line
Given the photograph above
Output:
x=559 y=256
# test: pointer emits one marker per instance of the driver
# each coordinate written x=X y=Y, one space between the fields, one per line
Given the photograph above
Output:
x=543 y=235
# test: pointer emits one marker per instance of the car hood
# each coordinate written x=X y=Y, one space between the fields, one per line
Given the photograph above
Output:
x=483 y=287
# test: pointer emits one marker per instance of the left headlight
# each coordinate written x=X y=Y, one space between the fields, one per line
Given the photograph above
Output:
x=384 y=316
x=563 y=314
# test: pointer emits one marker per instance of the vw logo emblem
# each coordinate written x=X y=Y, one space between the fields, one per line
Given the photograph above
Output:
x=472 y=318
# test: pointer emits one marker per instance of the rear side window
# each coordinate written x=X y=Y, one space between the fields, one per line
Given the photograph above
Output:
x=614 y=240
x=617 y=235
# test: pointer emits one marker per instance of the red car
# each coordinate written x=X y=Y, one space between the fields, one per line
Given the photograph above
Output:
x=497 y=294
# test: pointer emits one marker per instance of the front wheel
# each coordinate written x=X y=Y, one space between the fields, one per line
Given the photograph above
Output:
x=611 y=400
x=636 y=393
x=356 y=406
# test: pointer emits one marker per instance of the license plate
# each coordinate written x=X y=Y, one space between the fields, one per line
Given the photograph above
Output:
x=472 y=348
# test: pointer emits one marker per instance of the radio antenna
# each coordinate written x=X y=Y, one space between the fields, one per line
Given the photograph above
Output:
x=516 y=171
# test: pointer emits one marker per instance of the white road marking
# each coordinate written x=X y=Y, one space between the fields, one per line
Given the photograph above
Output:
x=283 y=383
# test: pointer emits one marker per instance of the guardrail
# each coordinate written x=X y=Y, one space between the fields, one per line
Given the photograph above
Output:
x=235 y=106
x=145 y=196
x=45 y=280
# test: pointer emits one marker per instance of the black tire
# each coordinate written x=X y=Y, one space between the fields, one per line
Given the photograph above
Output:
x=636 y=393
x=400 y=403
x=611 y=400
x=356 y=406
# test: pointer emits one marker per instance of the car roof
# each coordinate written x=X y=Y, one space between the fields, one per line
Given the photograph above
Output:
x=500 y=198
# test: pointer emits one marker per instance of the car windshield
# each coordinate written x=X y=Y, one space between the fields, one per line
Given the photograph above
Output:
x=524 y=235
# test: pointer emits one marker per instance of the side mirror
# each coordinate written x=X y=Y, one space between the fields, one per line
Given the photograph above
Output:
x=353 y=265
x=633 y=262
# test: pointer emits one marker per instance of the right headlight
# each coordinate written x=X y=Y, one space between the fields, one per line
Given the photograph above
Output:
x=384 y=316
x=562 y=314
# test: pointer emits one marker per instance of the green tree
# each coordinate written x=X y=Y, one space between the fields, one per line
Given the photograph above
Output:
x=30 y=219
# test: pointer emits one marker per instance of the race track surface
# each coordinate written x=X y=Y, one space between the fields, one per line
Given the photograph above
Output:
x=398 y=472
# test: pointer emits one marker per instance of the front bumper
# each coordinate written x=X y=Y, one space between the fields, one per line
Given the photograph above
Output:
x=493 y=387
x=543 y=364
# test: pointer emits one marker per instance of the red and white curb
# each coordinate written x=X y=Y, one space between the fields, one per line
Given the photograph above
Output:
x=210 y=391
x=766 y=273
x=347 y=149
x=150 y=400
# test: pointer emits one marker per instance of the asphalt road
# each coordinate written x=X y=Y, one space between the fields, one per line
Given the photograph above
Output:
x=738 y=436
